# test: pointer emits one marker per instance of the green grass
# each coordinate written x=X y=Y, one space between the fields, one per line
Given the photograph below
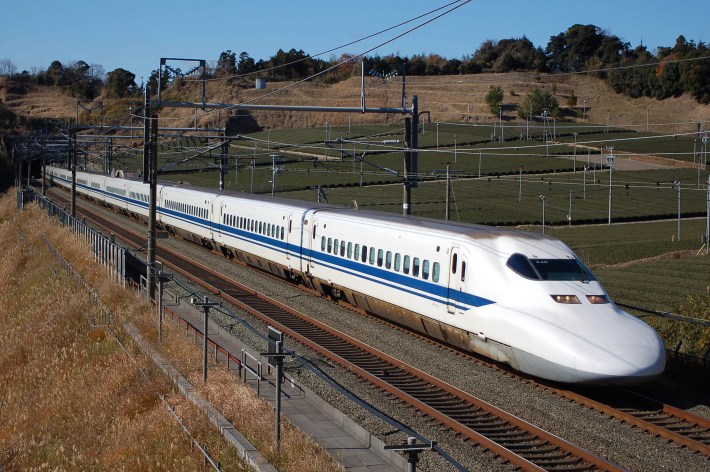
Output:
x=496 y=198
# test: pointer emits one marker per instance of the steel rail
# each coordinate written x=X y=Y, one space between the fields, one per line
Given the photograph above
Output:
x=688 y=430
x=509 y=437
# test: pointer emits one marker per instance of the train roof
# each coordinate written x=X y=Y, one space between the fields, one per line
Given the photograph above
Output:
x=469 y=230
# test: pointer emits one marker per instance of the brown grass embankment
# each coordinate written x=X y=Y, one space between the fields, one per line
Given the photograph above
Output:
x=71 y=398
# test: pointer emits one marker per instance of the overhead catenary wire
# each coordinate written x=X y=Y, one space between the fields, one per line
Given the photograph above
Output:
x=328 y=51
x=357 y=56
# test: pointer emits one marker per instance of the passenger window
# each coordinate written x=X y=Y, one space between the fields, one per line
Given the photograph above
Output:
x=380 y=253
x=322 y=243
x=357 y=252
x=436 y=272
x=342 y=248
x=425 y=270
x=463 y=271
x=335 y=247
x=350 y=250
x=372 y=256
x=407 y=263
x=364 y=253
x=397 y=262
x=282 y=232
x=330 y=244
x=454 y=263
x=388 y=260
x=415 y=267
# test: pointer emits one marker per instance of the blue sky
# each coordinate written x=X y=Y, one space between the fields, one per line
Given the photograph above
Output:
x=135 y=34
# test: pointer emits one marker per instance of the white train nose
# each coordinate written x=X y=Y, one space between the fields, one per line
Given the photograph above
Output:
x=625 y=361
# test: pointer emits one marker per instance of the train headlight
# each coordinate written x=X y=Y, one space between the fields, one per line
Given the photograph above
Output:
x=566 y=299
x=598 y=299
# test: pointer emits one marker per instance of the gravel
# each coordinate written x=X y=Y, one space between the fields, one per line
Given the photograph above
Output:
x=611 y=439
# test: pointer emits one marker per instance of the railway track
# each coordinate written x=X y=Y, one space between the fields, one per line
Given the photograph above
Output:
x=510 y=438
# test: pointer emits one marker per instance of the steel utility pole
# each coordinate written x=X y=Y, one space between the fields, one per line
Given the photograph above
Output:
x=610 y=162
x=206 y=305
x=407 y=197
x=677 y=185
x=448 y=194
x=150 y=176
x=72 y=152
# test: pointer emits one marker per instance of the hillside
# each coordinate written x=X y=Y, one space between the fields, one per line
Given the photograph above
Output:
x=456 y=98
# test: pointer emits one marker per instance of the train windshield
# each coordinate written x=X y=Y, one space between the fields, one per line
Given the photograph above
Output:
x=550 y=269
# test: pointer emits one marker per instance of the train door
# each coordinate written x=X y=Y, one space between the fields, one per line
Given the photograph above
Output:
x=310 y=232
x=289 y=240
x=458 y=265
x=217 y=218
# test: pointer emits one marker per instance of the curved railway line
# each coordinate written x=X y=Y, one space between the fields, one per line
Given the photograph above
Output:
x=510 y=438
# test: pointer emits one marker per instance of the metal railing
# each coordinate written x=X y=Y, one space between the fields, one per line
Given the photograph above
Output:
x=106 y=252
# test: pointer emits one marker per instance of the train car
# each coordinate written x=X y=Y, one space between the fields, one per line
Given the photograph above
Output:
x=521 y=298
x=261 y=231
x=187 y=213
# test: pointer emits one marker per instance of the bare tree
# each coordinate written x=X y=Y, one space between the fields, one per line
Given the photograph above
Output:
x=7 y=68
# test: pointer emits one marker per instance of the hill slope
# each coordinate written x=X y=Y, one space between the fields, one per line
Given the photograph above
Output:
x=457 y=98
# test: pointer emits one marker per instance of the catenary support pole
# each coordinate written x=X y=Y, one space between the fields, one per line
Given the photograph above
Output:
x=72 y=156
x=153 y=204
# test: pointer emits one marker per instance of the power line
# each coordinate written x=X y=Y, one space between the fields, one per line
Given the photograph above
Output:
x=337 y=47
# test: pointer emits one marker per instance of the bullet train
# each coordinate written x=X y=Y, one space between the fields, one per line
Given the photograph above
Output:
x=524 y=299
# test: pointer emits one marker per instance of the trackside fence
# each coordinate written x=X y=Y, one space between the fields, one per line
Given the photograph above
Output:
x=106 y=252
x=105 y=318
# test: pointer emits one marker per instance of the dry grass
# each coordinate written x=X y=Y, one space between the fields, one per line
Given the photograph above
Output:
x=449 y=99
x=71 y=398
x=251 y=415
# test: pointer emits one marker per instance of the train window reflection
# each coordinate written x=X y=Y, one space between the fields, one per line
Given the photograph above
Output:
x=550 y=269
x=436 y=272
x=562 y=269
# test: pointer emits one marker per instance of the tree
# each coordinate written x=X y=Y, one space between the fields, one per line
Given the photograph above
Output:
x=120 y=83
x=7 y=68
x=153 y=80
x=246 y=64
x=55 y=73
x=536 y=102
x=226 y=64
x=494 y=98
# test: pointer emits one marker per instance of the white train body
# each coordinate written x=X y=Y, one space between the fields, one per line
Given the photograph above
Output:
x=521 y=298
